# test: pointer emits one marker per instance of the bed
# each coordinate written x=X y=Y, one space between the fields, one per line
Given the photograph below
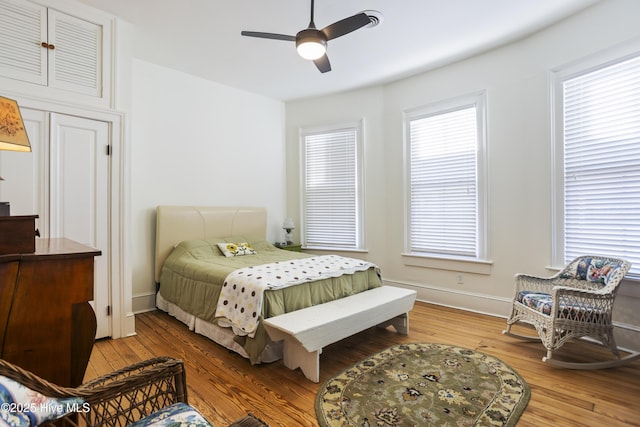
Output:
x=191 y=269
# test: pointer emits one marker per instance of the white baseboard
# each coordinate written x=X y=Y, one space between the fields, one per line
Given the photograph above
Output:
x=627 y=335
x=143 y=302
x=130 y=325
x=469 y=301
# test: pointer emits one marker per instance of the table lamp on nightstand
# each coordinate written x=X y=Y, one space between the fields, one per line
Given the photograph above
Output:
x=288 y=226
x=13 y=136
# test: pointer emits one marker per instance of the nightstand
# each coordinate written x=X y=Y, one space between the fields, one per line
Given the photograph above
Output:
x=292 y=248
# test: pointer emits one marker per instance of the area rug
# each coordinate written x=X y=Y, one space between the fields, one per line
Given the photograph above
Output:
x=422 y=384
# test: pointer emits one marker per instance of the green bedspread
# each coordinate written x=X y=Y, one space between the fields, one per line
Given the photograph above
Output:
x=193 y=273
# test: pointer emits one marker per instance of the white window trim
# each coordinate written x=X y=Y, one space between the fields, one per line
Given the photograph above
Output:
x=360 y=180
x=556 y=78
x=481 y=263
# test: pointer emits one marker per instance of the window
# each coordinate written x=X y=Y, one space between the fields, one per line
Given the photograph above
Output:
x=446 y=196
x=332 y=188
x=597 y=208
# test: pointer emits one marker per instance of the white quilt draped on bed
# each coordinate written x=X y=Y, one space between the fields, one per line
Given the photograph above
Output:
x=240 y=302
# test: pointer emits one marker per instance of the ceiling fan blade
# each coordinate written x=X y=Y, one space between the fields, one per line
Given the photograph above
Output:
x=323 y=63
x=269 y=36
x=345 y=26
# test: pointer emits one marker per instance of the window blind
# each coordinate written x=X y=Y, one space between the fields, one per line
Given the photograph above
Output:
x=330 y=208
x=443 y=183
x=601 y=117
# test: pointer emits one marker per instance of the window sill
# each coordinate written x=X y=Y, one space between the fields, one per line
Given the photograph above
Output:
x=453 y=264
x=324 y=248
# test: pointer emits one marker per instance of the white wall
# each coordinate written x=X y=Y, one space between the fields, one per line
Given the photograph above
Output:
x=517 y=82
x=194 y=142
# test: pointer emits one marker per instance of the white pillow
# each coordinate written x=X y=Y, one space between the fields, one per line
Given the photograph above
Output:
x=236 y=249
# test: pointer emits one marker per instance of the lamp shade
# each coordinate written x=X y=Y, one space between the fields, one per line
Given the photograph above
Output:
x=288 y=224
x=13 y=136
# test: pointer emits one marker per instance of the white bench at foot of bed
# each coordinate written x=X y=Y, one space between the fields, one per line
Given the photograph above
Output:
x=305 y=332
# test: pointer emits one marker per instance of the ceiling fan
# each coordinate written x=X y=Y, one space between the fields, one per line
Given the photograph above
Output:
x=311 y=43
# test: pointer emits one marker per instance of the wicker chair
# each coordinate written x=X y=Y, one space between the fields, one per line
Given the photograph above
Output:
x=121 y=397
x=574 y=303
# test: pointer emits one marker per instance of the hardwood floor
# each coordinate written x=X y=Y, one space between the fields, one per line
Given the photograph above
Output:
x=224 y=386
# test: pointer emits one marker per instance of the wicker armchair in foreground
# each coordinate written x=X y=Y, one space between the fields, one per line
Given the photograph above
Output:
x=129 y=395
x=574 y=303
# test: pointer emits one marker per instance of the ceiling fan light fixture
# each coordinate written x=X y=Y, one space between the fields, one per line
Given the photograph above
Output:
x=311 y=50
x=310 y=44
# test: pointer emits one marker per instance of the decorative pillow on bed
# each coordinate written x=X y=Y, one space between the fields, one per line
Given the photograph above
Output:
x=236 y=249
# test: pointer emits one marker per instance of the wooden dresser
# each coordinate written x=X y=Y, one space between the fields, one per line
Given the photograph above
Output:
x=47 y=325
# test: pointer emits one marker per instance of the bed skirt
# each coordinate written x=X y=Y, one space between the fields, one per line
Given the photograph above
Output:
x=217 y=334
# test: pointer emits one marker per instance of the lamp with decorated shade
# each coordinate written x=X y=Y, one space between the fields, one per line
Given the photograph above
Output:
x=13 y=136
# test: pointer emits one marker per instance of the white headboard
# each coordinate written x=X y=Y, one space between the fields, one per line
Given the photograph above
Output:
x=175 y=224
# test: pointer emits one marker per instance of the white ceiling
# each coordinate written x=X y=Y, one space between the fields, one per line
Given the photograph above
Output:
x=202 y=37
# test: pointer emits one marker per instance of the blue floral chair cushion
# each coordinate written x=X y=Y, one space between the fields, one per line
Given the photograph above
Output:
x=541 y=302
x=176 y=415
x=538 y=301
x=23 y=407
x=593 y=270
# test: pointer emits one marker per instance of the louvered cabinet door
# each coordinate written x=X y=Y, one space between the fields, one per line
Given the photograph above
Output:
x=68 y=55
x=23 y=28
x=75 y=54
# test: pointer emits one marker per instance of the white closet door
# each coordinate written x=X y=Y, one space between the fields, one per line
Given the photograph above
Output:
x=79 y=206
x=26 y=184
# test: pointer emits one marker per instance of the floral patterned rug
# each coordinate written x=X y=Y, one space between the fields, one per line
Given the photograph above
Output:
x=423 y=384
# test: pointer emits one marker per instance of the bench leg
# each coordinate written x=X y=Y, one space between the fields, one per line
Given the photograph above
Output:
x=296 y=356
x=399 y=323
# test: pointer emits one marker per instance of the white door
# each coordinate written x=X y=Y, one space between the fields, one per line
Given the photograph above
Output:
x=26 y=184
x=79 y=196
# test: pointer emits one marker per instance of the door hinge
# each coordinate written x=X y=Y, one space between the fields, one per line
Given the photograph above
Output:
x=108 y=150
x=108 y=310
